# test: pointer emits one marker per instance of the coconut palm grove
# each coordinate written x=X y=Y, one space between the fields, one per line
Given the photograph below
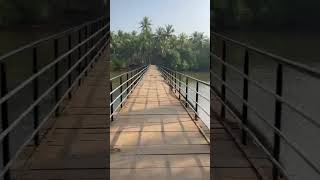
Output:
x=160 y=46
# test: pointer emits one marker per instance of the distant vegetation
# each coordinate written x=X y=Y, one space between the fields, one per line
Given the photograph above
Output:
x=162 y=46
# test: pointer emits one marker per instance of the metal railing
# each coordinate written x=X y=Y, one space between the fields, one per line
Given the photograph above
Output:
x=273 y=151
x=68 y=57
x=126 y=84
x=181 y=84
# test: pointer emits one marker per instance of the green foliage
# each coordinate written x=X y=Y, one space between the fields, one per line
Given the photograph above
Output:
x=181 y=52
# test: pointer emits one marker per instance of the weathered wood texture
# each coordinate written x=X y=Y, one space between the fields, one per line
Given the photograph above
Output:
x=77 y=145
x=153 y=137
x=156 y=138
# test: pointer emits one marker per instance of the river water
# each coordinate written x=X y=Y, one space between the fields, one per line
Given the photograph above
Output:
x=299 y=89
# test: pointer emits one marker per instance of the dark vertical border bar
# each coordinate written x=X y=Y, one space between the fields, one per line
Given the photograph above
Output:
x=5 y=120
x=277 y=123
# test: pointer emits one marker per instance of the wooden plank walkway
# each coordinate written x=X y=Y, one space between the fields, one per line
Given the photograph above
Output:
x=153 y=135
x=156 y=137
x=77 y=146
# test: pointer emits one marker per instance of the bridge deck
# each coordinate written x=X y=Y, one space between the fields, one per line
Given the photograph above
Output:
x=77 y=145
x=158 y=140
x=153 y=136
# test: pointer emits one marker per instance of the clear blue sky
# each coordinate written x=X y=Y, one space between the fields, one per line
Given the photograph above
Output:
x=185 y=15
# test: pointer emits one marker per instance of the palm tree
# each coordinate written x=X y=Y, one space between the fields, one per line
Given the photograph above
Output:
x=146 y=39
x=169 y=31
x=197 y=39
x=145 y=25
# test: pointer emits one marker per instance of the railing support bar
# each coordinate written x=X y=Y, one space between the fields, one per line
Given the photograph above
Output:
x=187 y=83
x=245 y=97
x=35 y=95
x=121 y=97
x=69 y=64
x=197 y=100
x=5 y=120
x=56 y=73
x=111 y=99
x=223 y=77
x=277 y=123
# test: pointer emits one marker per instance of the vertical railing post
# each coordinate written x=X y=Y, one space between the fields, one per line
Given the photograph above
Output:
x=131 y=75
x=121 y=98
x=91 y=45
x=277 y=123
x=175 y=81
x=56 y=74
x=172 y=80
x=245 y=96
x=79 y=55
x=69 y=65
x=187 y=82
x=5 y=120
x=180 y=86
x=86 y=49
x=111 y=100
x=35 y=95
x=197 y=99
x=127 y=84
x=223 y=77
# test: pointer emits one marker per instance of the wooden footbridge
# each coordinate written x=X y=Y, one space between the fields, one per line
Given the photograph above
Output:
x=67 y=119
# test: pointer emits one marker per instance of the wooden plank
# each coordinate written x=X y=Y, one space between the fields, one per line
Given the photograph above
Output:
x=77 y=145
x=155 y=137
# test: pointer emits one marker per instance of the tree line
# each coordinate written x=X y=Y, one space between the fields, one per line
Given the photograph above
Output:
x=162 y=46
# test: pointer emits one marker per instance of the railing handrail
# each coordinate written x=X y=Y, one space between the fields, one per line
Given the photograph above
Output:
x=176 y=83
x=293 y=145
x=92 y=53
x=277 y=94
x=190 y=77
x=48 y=66
x=123 y=83
x=120 y=75
x=45 y=39
x=260 y=86
x=135 y=79
x=298 y=66
x=190 y=88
